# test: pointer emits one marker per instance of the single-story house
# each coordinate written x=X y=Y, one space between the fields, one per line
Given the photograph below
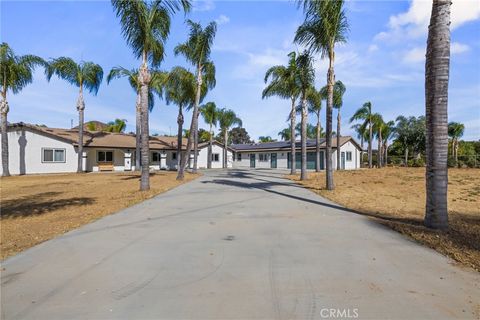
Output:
x=277 y=154
x=38 y=149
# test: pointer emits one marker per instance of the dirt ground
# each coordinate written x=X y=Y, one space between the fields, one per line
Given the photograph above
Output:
x=36 y=208
x=396 y=197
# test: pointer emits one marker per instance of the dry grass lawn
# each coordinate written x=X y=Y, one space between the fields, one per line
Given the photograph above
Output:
x=396 y=197
x=36 y=208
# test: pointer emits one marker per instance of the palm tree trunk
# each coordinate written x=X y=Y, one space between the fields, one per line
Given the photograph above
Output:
x=179 y=137
x=385 y=147
x=406 y=156
x=361 y=152
x=456 y=152
x=225 y=137
x=293 y=116
x=338 y=140
x=437 y=69
x=138 y=137
x=144 y=79
x=80 y=109
x=303 y=173
x=188 y=151
x=317 y=146
x=195 y=116
x=370 y=134
x=209 y=160
x=379 y=151
x=330 y=83
x=4 y=127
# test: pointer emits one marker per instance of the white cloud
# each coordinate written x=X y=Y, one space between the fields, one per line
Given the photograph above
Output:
x=372 y=48
x=456 y=48
x=203 y=5
x=222 y=19
x=414 y=22
x=417 y=54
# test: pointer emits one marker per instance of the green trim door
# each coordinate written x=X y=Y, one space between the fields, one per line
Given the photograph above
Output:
x=252 y=160
x=273 y=160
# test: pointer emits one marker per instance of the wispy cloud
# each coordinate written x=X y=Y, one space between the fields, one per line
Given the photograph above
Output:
x=203 y=5
x=417 y=54
x=222 y=19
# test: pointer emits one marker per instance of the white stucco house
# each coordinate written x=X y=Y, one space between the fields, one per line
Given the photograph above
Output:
x=35 y=149
x=277 y=154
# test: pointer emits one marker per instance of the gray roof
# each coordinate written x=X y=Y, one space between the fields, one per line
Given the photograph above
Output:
x=311 y=143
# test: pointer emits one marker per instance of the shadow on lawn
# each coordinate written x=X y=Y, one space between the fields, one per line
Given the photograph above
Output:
x=38 y=204
x=137 y=176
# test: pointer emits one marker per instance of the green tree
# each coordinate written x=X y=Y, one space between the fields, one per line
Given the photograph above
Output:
x=314 y=102
x=284 y=85
x=84 y=75
x=145 y=27
x=378 y=125
x=365 y=114
x=226 y=119
x=16 y=72
x=324 y=26
x=238 y=135
x=197 y=51
x=117 y=126
x=285 y=134
x=264 y=139
x=437 y=67
x=210 y=114
x=388 y=130
x=455 y=131
x=362 y=134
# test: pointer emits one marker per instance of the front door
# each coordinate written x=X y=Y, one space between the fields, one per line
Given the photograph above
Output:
x=343 y=160
x=252 y=160
x=273 y=160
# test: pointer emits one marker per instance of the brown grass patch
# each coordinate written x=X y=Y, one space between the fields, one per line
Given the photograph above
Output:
x=35 y=208
x=396 y=197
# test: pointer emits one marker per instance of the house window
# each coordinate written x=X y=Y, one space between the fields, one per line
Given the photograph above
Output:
x=215 y=157
x=174 y=156
x=155 y=157
x=105 y=156
x=239 y=157
x=53 y=155
x=349 y=156
x=262 y=157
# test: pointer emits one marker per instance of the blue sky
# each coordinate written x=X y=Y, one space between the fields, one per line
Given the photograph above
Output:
x=383 y=61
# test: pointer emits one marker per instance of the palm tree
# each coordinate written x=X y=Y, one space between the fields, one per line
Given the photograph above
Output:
x=388 y=130
x=403 y=130
x=305 y=78
x=365 y=113
x=16 y=72
x=84 y=75
x=145 y=27
x=265 y=139
x=210 y=114
x=437 y=67
x=197 y=51
x=283 y=85
x=325 y=25
x=132 y=75
x=285 y=134
x=314 y=100
x=378 y=125
x=455 y=131
x=117 y=126
x=226 y=119
x=362 y=134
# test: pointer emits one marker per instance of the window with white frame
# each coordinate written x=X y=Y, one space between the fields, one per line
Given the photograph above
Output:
x=53 y=155
x=105 y=156
x=349 y=156
x=263 y=157
x=215 y=157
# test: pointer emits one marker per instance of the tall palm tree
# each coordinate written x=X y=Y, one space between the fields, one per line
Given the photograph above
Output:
x=145 y=27
x=314 y=101
x=210 y=114
x=16 y=72
x=365 y=113
x=285 y=134
x=116 y=126
x=197 y=51
x=325 y=25
x=283 y=84
x=362 y=134
x=455 y=131
x=388 y=130
x=132 y=75
x=437 y=67
x=226 y=119
x=305 y=78
x=403 y=130
x=84 y=75
x=378 y=125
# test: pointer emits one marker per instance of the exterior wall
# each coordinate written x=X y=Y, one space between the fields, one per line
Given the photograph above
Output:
x=167 y=162
x=118 y=158
x=25 y=153
x=203 y=157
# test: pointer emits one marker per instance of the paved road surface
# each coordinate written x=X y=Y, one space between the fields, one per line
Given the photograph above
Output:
x=235 y=245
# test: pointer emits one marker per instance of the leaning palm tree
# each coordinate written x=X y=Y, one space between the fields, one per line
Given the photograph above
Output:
x=304 y=79
x=145 y=27
x=314 y=101
x=455 y=131
x=16 y=72
x=84 y=75
x=365 y=114
x=226 y=119
x=197 y=51
x=117 y=126
x=282 y=84
x=209 y=112
x=437 y=68
x=325 y=25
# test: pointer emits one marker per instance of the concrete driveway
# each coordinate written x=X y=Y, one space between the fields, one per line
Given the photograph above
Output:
x=235 y=245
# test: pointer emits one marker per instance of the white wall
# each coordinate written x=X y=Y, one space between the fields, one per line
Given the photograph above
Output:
x=118 y=158
x=203 y=157
x=25 y=153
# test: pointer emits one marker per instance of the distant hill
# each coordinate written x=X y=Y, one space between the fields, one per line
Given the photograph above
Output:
x=93 y=126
